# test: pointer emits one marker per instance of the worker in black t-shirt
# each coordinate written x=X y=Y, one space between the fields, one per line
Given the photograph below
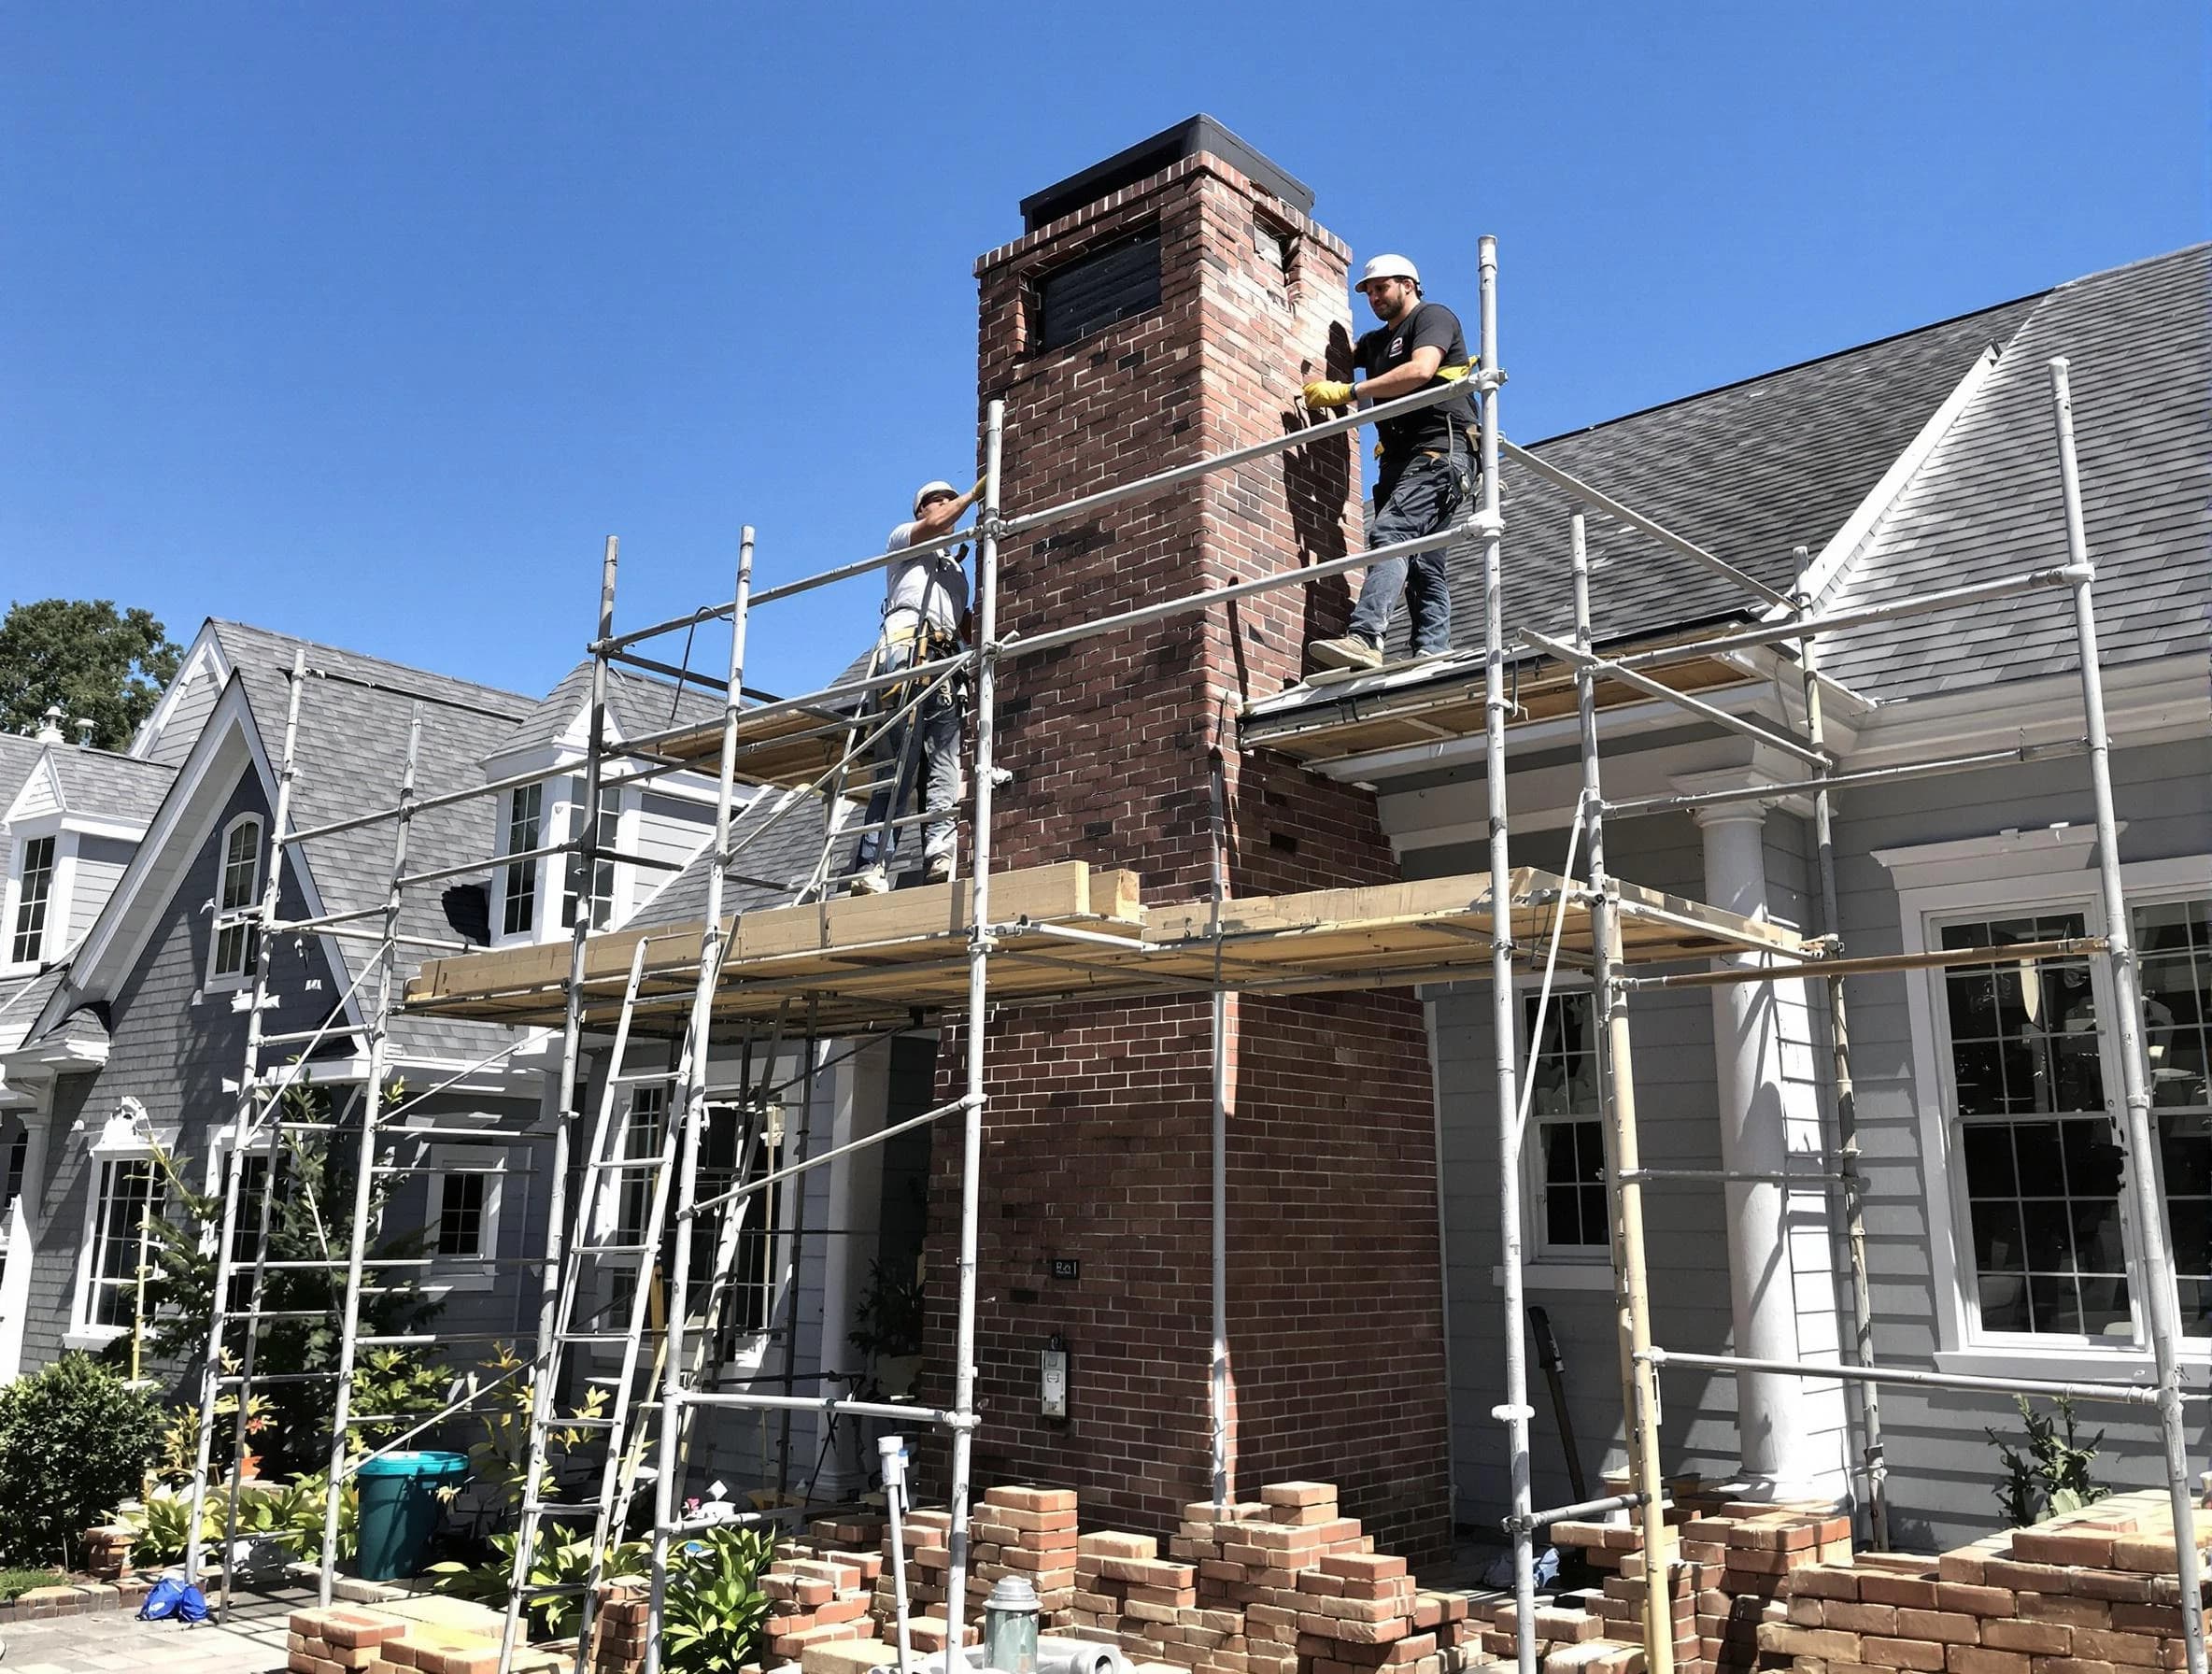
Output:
x=1426 y=468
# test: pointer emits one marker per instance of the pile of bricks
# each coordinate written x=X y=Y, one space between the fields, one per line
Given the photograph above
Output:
x=1030 y=1532
x=347 y=1639
x=927 y=1536
x=1283 y=1584
x=817 y=1600
x=1729 y=1564
x=2088 y=1592
x=1126 y=1595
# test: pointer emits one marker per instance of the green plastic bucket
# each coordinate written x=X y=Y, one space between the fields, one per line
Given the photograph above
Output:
x=399 y=1510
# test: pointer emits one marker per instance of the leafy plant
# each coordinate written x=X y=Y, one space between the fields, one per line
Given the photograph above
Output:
x=180 y=1436
x=313 y=1193
x=75 y=1443
x=2052 y=1475
x=291 y=1512
x=99 y=664
x=890 y=1316
x=715 y=1608
x=500 y=1461
x=557 y=1568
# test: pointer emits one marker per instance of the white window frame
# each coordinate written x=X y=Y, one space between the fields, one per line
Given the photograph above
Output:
x=509 y=869
x=2052 y=870
x=122 y=1141
x=1544 y=1255
x=492 y=1163
x=218 y=980
x=49 y=944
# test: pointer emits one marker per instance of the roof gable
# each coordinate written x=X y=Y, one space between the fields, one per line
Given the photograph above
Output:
x=1987 y=504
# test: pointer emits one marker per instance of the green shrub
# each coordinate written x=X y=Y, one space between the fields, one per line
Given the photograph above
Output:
x=76 y=1441
x=288 y=1512
x=558 y=1567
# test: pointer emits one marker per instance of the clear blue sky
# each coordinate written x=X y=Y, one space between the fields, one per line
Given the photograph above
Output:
x=369 y=322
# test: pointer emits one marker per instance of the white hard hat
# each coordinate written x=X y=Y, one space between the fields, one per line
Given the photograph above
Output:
x=1387 y=267
x=928 y=488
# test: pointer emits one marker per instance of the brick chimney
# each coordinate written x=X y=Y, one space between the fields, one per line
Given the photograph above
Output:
x=1162 y=305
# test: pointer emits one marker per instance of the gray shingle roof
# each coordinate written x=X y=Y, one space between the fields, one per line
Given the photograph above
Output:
x=22 y=999
x=765 y=871
x=1748 y=472
x=354 y=715
x=637 y=703
x=1987 y=503
x=97 y=782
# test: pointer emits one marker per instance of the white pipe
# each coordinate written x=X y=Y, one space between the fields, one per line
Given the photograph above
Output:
x=2154 y=1275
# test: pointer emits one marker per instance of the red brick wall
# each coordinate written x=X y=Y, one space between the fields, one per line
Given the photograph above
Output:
x=1098 y=1143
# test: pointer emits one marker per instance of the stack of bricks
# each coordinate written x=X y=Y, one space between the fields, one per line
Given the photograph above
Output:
x=2094 y=1591
x=1728 y=1563
x=1283 y=1584
x=1126 y=1594
x=1029 y=1532
x=928 y=1539
x=348 y=1640
x=817 y=1601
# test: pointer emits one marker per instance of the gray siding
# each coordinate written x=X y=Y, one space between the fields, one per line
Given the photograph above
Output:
x=1942 y=1470
x=181 y=730
x=1687 y=1241
x=100 y=863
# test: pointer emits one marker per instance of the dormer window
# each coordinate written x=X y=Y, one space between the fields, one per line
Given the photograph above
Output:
x=36 y=888
x=607 y=838
x=236 y=953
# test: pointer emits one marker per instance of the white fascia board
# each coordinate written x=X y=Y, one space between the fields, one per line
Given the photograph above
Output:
x=2161 y=701
x=94 y=825
x=1833 y=560
x=202 y=660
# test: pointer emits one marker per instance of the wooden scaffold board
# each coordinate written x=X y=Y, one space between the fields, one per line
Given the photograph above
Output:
x=1068 y=932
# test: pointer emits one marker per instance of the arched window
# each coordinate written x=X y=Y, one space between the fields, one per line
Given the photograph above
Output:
x=236 y=952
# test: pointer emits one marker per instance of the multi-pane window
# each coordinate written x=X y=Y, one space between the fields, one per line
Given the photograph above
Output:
x=751 y=1275
x=2175 y=939
x=130 y=1192
x=461 y=1214
x=37 y=886
x=245 y=1234
x=602 y=872
x=2042 y=1170
x=641 y=1139
x=237 y=944
x=1570 y=1131
x=525 y=820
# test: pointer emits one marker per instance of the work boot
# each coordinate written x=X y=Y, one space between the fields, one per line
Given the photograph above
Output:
x=869 y=880
x=939 y=870
x=1351 y=652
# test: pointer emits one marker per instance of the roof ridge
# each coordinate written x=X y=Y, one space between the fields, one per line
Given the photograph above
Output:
x=407 y=668
x=2106 y=273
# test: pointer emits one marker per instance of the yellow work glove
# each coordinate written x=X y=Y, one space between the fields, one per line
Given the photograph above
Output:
x=1324 y=393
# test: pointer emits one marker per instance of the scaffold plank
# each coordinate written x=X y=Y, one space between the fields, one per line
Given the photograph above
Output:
x=1079 y=933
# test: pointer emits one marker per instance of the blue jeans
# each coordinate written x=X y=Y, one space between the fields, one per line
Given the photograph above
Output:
x=1412 y=497
x=924 y=747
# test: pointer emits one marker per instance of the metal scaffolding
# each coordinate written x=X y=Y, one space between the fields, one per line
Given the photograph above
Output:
x=826 y=732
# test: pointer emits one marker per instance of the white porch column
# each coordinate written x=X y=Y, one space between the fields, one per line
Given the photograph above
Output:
x=855 y=1200
x=1780 y=1271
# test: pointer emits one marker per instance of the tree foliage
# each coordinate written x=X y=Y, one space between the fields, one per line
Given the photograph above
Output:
x=309 y=1216
x=99 y=664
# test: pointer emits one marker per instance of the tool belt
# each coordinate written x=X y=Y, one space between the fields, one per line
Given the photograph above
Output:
x=922 y=641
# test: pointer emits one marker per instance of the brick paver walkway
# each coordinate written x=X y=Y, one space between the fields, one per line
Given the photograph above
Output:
x=249 y=1641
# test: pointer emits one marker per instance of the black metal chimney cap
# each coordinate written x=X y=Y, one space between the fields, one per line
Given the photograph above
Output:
x=1186 y=139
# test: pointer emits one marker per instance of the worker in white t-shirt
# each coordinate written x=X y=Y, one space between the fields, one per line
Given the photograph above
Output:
x=925 y=617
